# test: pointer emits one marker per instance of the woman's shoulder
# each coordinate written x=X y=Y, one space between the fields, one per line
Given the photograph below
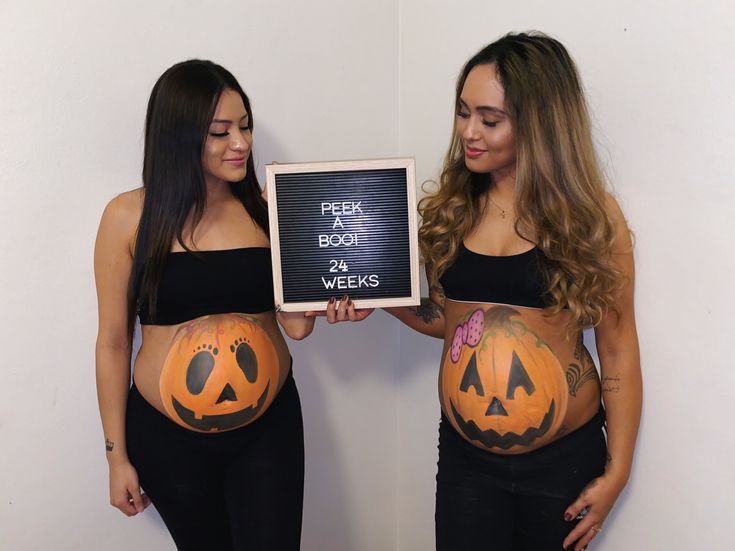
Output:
x=612 y=206
x=122 y=214
x=125 y=207
x=128 y=202
x=623 y=238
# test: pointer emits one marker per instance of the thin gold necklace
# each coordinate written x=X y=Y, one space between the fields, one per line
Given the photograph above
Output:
x=501 y=209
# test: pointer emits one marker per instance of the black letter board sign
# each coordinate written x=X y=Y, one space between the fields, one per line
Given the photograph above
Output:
x=345 y=227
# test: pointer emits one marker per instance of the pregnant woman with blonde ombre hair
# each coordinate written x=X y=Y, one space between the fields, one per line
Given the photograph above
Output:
x=524 y=249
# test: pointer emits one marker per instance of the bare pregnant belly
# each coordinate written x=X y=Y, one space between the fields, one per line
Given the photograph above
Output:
x=219 y=372
x=504 y=382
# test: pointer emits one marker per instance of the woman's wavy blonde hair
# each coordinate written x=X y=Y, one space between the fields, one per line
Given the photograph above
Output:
x=560 y=196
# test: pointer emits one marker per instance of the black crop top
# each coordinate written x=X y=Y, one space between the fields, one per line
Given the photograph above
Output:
x=515 y=280
x=212 y=282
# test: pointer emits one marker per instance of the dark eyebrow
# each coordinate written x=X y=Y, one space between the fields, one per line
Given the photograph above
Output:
x=485 y=109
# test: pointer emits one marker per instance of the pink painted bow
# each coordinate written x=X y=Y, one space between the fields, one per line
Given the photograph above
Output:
x=468 y=333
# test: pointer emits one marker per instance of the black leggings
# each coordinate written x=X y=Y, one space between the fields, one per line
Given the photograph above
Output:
x=234 y=490
x=513 y=502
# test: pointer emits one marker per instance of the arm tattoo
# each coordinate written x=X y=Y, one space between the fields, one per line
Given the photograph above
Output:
x=439 y=290
x=428 y=311
x=109 y=444
x=609 y=459
x=579 y=345
x=611 y=384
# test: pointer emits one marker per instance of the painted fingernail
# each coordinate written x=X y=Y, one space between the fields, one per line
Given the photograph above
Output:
x=331 y=300
x=349 y=302
x=567 y=517
x=344 y=298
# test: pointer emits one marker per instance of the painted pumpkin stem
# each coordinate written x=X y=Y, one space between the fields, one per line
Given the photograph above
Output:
x=499 y=315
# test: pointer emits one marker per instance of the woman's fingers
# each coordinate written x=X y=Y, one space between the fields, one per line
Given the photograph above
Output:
x=357 y=314
x=124 y=502
x=314 y=314
x=125 y=491
x=577 y=510
x=332 y=310
x=587 y=534
x=136 y=500
x=341 y=310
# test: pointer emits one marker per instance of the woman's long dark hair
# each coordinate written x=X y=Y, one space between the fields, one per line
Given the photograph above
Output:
x=180 y=110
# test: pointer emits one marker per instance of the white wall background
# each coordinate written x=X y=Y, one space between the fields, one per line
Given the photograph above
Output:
x=337 y=80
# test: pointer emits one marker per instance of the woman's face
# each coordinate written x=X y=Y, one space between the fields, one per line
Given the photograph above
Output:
x=228 y=143
x=483 y=125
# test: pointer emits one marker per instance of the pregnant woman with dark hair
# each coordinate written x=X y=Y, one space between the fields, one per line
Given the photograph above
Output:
x=211 y=430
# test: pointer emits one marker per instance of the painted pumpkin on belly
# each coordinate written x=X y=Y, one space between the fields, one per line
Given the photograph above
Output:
x=220 y=373
x=501 y=386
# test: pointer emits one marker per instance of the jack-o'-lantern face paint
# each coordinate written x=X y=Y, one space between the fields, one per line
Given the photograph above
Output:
x=221 y=372
x=502 y=387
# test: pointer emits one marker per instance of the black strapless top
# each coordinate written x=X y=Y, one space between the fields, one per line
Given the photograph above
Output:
x=516 y=280
x=212 y=282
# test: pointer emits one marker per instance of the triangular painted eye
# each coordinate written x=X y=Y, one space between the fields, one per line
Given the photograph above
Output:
x=471 y=377
x=518 y=377
x=248 y=361
x=197 y=373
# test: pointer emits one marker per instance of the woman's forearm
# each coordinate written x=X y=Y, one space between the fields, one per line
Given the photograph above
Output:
x=622 y=394
x=113 y=380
